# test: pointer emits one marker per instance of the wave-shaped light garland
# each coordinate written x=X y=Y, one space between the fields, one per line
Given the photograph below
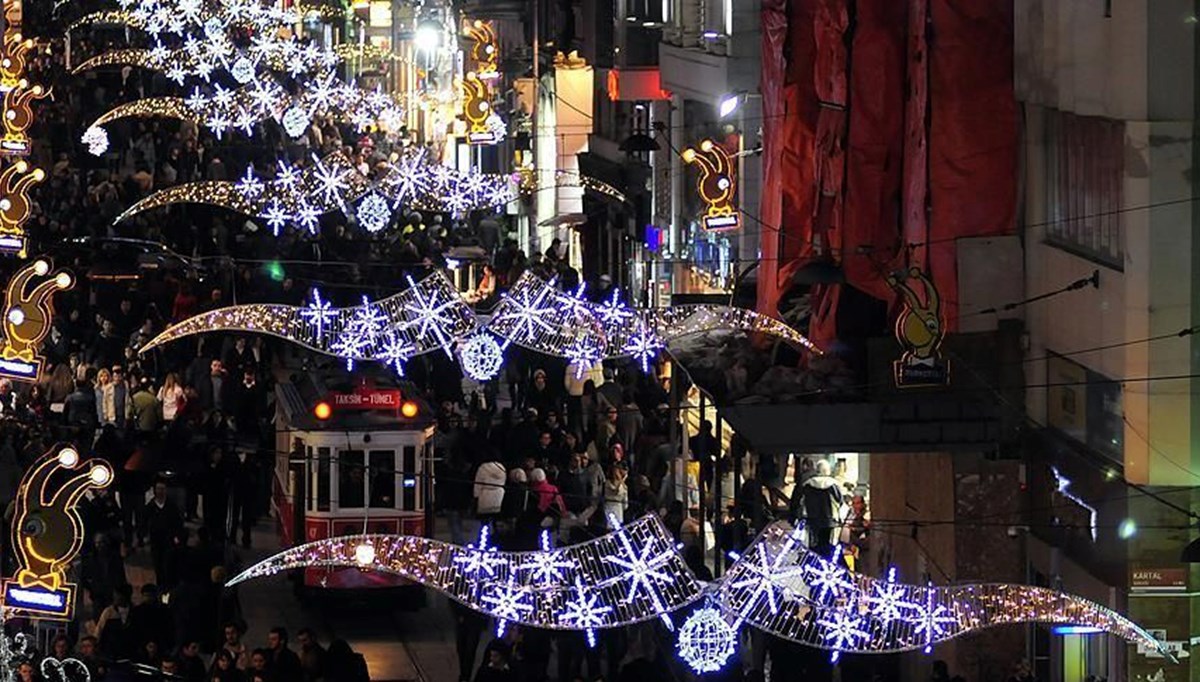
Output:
x=432 y=314
x=636 y=573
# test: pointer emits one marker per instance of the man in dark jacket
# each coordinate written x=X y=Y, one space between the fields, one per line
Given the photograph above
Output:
x=284 y=663
x=819 y=499
x=162 y=522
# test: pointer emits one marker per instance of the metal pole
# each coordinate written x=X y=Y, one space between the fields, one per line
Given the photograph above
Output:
x=718 y=502
x=700 y=481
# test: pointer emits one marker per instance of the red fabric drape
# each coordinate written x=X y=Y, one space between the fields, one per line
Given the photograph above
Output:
x=908 y=120
x=774 y=42
x=972 y=133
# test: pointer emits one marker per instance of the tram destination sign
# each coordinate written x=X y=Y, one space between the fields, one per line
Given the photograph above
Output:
x=367 y=399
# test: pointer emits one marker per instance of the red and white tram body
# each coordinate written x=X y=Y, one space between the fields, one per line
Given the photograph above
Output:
x=359 y=467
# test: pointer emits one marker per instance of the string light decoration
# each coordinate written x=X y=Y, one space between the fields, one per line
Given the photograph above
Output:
x=820 y=603
x=28 y=315
x=481 y=357
x=1061 y=485
x=333 y=184
x=706 y=640
x=428 y=316
x=12 y=59
x=594 y=592
x=532 y=314
x=111 y=17
x=636 y=573
x=48 y=533
x=15 y=207
x=717 y=185
x=18 y=116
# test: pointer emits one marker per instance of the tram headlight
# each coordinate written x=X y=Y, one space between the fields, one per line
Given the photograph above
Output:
x=409 y=409
x=364 y=554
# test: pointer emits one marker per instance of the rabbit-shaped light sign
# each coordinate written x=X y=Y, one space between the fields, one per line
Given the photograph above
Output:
x=47 y=532
x=28 y=315
x=716 y=184
x=920 y=330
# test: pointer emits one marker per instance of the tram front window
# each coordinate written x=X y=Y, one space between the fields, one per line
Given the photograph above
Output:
x=383 y=479
x=351 y=479
x=321 y=484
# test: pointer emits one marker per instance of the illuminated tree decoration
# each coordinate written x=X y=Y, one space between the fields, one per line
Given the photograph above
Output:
x=28 y=315
x=47 y=532
x=706 y=640
x=717 y=185
x=481 y=357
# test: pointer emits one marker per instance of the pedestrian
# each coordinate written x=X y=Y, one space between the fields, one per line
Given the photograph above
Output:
x=162 y=523
x=468 y=629
x=489 y=490
x=819 y=502
x=283 y=663
x=312 y=655
x=616 y=496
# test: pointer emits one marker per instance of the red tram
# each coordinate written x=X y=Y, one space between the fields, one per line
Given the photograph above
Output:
x=349 y=461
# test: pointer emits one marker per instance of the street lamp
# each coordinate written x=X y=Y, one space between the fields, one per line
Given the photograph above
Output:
x=428 y=36
x=730 y=103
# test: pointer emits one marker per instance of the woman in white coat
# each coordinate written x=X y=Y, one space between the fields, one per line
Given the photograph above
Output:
x=489 y=489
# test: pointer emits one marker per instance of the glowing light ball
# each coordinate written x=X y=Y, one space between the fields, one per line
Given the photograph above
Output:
x=706 y=640
x=481 y=357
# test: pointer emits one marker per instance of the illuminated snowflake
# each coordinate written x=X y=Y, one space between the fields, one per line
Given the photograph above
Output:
x=287 y=177
x=642 y=568
x=275 y=216
x=320 y=314
x=887 y=602
x=222 y=97
x=843 y=630
x=219 y=123
x=827 y=580
x=331 y=181
x=177 y=74
x=479 y=560
x=409 y=180
x=766 y=576
x=308 y=216
x=250 y=187
x=507 y=602
x=614 y=313
x=395 y=350
x=546 y=567
x=644 y=345
x=245 y=119
x=197 y=102
x=582 y=355
x=583 y=612
x=931 y=620
x=158 y=54
x=429 y=315
x=523 y=313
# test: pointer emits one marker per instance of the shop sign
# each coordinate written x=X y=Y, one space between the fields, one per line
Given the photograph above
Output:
x=1158 y=579
x=920 y=330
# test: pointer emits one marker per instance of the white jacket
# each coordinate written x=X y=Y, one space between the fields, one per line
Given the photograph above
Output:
x=489 y=487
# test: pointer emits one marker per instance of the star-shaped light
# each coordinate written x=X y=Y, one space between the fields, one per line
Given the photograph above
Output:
x=197 y=102
x=765 y=574
x=479 y=560
x=287 y=177
x=396 y=351
x=827 y=579
x=545 y=567
x=308 y=216
x=524 y=313
x=250 y=187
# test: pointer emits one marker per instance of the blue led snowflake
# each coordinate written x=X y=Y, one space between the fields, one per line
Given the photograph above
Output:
x=506 y=602
x=320 y=314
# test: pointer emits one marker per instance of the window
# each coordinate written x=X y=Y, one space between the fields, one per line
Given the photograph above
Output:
x=1085 y=168
x=1085 y=406
x=382 y=476
x=408 y=476
x=321 y=480
x=352 y=484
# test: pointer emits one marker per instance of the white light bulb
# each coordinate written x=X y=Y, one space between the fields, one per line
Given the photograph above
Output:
x=242 y=70
x=364 y=554
x=100 y=475
x=16 y=316
x=68 y=457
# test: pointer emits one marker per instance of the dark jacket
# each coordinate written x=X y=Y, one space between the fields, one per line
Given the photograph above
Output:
x=821 y=497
